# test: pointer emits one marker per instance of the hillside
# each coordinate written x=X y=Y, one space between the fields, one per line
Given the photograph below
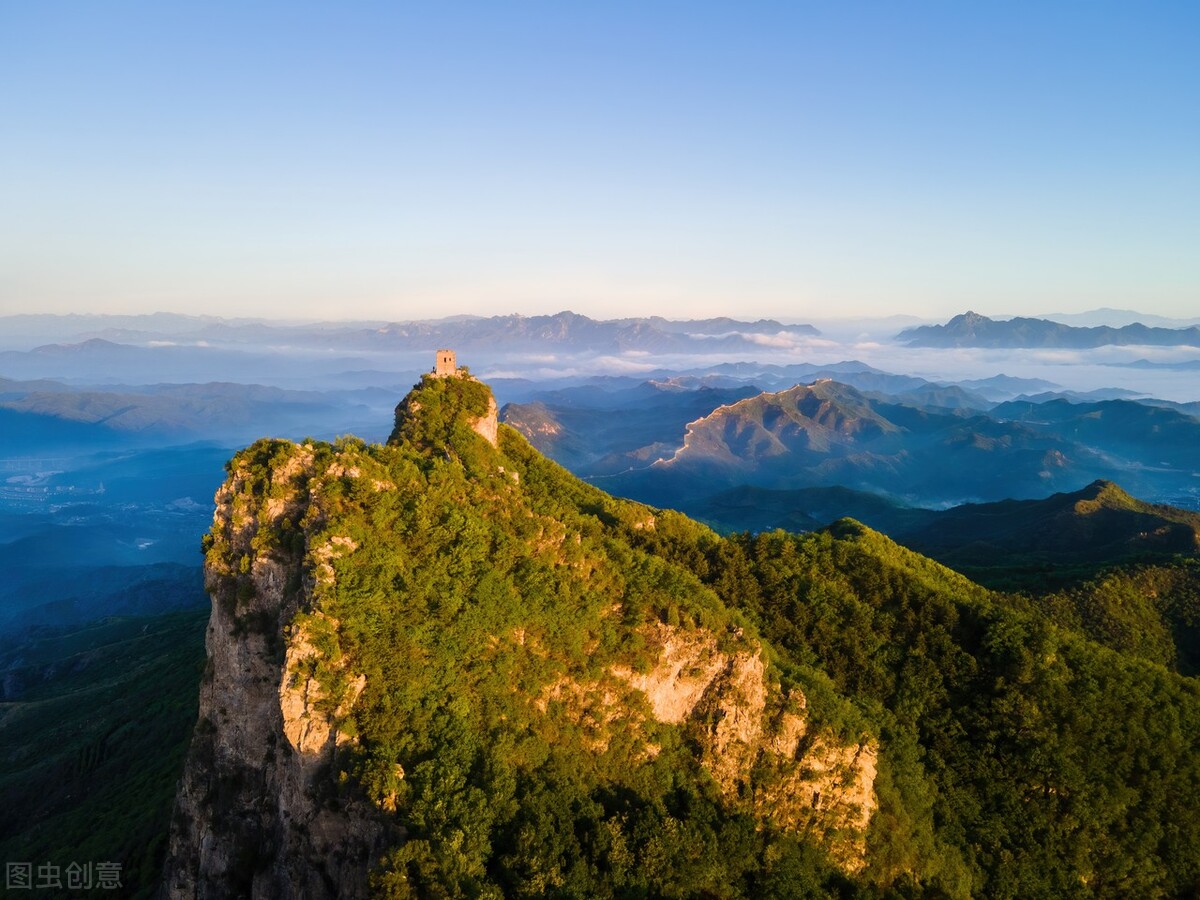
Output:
x=819 y=419
x=1141 y=435
x=94 y=724
x=680 y=441
x=446 y=667
x=1099 y=525
x=804 y=509
x=829 y=434
x=1040 y=543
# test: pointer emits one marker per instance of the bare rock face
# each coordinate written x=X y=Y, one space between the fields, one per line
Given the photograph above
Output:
x=253 y=817
x=487 y=425
x=806 y=779
x=308 y=723
x=820 y=785
x=687 y=666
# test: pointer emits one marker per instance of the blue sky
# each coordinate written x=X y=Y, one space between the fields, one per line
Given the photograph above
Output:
x=799 y=160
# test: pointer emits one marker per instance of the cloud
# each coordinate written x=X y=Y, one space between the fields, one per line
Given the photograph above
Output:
x=569 y=367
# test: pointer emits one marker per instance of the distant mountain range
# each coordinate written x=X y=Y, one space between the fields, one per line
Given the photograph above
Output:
x=1116 y=318
x=973 y=330
x=47 y=417
x=934 y=445
x=200 y=349
x=515 y=332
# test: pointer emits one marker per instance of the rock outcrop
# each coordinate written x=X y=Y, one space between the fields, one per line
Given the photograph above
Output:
x=819 y=784
x=486 y=425
x=254 y=813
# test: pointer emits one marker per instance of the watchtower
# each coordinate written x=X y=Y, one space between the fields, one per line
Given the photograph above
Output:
x=445 y=365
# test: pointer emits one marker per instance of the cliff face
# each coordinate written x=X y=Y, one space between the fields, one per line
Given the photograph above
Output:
x=256 y=813
x=408 y=642
x=820 y=785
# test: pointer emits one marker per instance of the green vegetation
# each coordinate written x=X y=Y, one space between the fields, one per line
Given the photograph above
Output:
x=436 y=415
x=92 y=737
x=1011 y=545
x=1046 y=765
x=474 y=586
x=1061 y=540
x=480 y=580
x=1149 y=611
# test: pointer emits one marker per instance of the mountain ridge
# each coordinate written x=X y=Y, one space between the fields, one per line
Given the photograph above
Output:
x=446 y=667
x=970 y=329
x=696 y=664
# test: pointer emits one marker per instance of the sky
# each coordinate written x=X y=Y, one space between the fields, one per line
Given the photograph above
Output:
x=411 y=160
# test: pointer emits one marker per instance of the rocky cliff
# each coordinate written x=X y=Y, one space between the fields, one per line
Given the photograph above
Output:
x=257 y=813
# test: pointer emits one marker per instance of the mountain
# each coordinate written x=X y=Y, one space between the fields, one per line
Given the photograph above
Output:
x=932 y=446
x=446 y=667
x=827 y=434
x=25 y=433
x=1116 y=318
x=611 y=432
x=805 y=422
x=1082 y=396
x=973 y=330
x=1057 y=537
x=1006 y=387
x=757 y=509
x=1143 y=436
x=568 y=330
x=769 y=375
x=593 y=701
x=949 y=397
x=107 y=336
x=100 y=360
x=91 y=346
x=1064 y=538
x=85 y=419
x=1122 y=571
x=725 y=325
x=1189 y=365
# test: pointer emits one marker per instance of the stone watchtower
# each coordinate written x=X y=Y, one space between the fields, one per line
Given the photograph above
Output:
x=445 y=364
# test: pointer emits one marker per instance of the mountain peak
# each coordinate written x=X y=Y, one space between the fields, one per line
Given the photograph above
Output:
x=1077 y=533
x=968 y=321
x=970 y=316
x=442 y=411
x=1102 y=494
x=1101 y=487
